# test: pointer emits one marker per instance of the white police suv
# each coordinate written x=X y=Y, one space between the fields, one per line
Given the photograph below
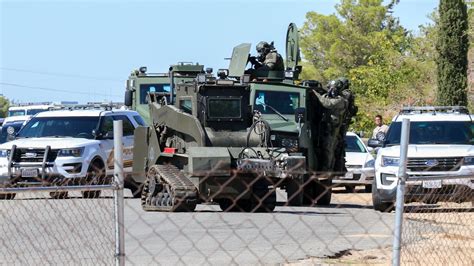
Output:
x=441 y=151
x=67 y=147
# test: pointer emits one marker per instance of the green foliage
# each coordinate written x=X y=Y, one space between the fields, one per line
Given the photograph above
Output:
x=387 y=66
x=452 y=47
x=4 y=104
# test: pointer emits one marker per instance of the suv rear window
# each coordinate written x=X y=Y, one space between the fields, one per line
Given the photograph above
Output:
x=433 y=132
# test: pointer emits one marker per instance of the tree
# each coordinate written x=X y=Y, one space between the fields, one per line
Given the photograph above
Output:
x=452 y=47
x=4 y=104
x=387 y=66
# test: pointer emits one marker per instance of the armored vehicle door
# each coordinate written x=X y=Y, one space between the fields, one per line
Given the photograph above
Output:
x=239 y=59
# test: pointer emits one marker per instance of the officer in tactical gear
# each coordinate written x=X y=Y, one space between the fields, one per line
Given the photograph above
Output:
x=333 y=111
x=268 y=58
x=350 y=112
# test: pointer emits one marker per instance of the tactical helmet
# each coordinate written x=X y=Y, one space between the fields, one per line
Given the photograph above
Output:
x=263 y=47
x=345 y=83
x=334 y=87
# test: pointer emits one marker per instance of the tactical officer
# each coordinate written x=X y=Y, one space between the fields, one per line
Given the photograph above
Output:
x=349 y=112
x=268 y=58
x=334 y=106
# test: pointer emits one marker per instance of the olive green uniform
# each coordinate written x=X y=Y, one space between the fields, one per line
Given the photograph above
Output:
x=273 y=61
x=332 y=118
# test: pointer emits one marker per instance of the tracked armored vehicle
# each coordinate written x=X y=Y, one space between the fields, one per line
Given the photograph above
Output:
x=233 y=139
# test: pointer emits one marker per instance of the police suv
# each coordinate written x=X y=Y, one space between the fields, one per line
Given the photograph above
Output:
x=440 y=160
x=67 y=147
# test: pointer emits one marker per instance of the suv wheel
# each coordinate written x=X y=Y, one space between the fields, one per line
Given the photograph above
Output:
x=95 y=176
x=379 y=205
x=7 y=196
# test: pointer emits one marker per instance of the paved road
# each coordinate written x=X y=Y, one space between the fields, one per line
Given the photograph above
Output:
x=209 y=236
x=73 y=230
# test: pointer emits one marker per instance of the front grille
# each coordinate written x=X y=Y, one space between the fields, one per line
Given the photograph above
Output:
x=33 y=155
x=353 y=166
x=434 y=164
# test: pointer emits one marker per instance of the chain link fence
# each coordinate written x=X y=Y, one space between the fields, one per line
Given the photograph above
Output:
x=438 y=227
x=37 y=229
x=75 y=230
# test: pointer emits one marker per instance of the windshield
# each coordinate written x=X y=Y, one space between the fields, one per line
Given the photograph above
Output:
x=16 y=112
x=438 y=132
x=353 y=144
x=145 y=88
x=284 y=102
x=224 y=108
x=76 y=127
x=34 y=111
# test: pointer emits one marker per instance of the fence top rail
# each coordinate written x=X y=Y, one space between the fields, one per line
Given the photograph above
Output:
x=57 y=188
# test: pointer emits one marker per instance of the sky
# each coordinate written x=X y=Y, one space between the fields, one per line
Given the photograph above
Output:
x=84 y=50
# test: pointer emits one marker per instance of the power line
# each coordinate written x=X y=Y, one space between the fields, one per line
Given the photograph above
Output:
x=59 y=74
x=57 y=90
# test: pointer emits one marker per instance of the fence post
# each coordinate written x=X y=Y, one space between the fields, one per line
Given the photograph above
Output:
x=402 y=170
x=118 y=195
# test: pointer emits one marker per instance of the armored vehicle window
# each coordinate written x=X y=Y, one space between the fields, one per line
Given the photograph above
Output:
x=186 y=105
x=283 y=102
x=127 y=125
x=145 y=88
x=224 y=108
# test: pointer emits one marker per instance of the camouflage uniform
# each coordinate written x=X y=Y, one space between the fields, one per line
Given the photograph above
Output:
x=273 y=61
x=350 y=112
x=330 y=130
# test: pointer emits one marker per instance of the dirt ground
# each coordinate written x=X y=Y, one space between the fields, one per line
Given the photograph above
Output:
x=432 y=234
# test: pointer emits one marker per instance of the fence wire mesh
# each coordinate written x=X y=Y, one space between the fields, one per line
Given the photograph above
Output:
x=241 y=229
x=244 y=230
x=37 y=229
x=438 y=227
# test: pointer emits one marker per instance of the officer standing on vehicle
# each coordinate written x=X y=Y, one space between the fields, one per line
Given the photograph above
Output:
x=334 y=106
x=349 y=112
x=268 y=58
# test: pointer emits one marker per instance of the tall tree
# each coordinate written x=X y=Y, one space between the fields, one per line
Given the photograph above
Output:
x=4 y=104
x=452 y=47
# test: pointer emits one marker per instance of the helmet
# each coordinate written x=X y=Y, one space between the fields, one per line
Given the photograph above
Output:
x=334 y=88
x=263 y=47
x=345 y=83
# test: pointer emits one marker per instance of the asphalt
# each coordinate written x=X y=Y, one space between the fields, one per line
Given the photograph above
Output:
x=80 y=231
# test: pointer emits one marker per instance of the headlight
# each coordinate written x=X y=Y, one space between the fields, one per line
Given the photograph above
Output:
x=75 y=152
x=4 y=153
x=370 y=163
x=390 y=161
x=469 y=160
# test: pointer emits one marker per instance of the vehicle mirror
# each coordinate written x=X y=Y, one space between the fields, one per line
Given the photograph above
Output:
x=374 y=143
x=380 y=136
x=300 y=115
x=128 y=98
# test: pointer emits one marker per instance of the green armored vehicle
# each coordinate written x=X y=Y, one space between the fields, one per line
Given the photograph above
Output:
x=233 y=139
x=140 y=83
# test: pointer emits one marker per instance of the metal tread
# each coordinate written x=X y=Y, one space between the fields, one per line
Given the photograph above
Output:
x=183 y=191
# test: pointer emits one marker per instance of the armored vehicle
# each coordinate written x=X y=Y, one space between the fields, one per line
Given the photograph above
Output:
x=233 y=139
x=140 y=83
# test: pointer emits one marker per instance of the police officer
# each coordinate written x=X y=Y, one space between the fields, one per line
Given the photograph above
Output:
x=334 y=106
x=268 y=58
